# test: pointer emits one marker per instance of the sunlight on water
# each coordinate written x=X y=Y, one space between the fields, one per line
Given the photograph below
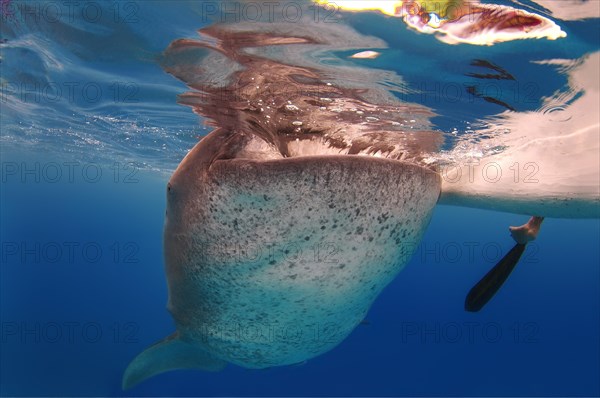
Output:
x=133 y=114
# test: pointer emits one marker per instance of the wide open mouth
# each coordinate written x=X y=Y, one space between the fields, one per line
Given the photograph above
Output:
x=407 y=147
x=241 y=82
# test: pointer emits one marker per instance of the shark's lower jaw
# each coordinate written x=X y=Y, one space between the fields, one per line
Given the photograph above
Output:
x=273 y=260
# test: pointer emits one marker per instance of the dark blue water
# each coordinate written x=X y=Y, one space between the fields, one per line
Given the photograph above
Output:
x=83 y=291
x=82 y=202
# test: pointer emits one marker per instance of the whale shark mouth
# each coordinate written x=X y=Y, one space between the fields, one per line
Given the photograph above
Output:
x=387 y=145
x=241 y=82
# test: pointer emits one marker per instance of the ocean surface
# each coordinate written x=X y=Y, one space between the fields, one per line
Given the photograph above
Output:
x=94 y=120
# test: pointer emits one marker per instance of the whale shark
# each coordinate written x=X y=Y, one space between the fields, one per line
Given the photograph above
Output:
x=285 y=223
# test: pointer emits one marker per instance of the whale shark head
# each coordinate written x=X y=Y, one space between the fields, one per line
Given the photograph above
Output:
x=286 y=222
x=274 y=260
x=262 y=246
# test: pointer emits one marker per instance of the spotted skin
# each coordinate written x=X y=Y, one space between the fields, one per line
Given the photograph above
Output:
x=292 y=246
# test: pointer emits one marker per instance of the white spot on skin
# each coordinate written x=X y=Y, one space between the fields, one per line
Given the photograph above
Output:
x=366 y=55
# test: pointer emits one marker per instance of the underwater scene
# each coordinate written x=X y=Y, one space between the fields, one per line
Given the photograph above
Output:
x=300 y=198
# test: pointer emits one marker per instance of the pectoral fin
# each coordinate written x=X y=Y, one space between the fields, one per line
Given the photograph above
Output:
x=169 y=354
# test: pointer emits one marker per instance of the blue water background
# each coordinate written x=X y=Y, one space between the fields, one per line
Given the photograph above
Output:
x=538 y=336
